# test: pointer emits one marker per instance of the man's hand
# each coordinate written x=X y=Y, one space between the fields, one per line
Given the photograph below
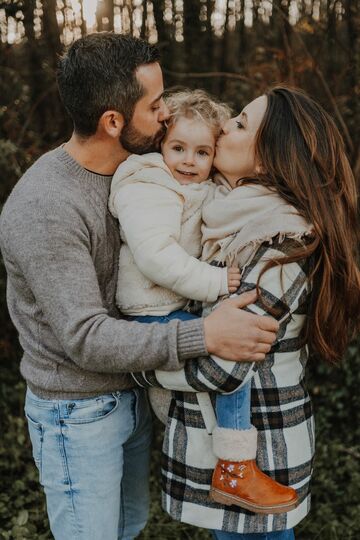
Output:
x=234 y=334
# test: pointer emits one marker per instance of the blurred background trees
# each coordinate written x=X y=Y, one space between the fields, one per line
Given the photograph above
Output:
x=234 y=49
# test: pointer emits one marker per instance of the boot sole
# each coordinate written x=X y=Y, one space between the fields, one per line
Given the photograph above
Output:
x=228 y=500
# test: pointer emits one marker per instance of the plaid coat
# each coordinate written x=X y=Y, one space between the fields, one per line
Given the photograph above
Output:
x=281 y=409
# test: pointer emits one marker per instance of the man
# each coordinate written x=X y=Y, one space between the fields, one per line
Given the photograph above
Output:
x=89 y=426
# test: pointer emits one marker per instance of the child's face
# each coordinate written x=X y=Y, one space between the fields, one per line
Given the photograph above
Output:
x=188 y=150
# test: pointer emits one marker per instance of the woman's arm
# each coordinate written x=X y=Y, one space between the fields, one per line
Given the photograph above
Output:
x=282 y=287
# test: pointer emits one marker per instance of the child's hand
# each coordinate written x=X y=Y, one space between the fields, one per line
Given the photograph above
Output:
x=233 y=279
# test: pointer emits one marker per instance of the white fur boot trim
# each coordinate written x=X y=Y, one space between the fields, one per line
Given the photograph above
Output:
x=235 y=444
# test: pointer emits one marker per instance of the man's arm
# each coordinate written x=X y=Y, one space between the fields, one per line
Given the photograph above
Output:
x=48 y=241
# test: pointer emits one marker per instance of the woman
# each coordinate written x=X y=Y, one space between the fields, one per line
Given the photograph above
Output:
x=282 y=156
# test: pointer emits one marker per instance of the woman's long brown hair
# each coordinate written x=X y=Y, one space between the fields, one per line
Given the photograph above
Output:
x=302 y=152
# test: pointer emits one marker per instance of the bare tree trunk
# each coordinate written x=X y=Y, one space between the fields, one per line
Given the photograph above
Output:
x=130 y=12
x=158 y=7
x=192 y=33
x=241 y=31
x=331 y=37
x=352 y=15
x=224 y=56
x=256 y=15
x=28 y=12
x=224 y=60
x=287 y=40
x=43 y=56
x=210 y=4
x=51 y=30
x=144 y=18
x=283 y=31
x=110 y=14
x=83 y=22
x=105 y=15
x=33 y=51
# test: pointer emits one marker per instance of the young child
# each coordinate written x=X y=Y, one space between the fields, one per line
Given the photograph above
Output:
x=158 y=200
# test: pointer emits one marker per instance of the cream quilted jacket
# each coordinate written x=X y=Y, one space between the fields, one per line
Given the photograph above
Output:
x=160 y=222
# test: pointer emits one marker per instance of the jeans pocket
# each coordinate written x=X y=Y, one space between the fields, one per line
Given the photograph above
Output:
x=36 y=432
x=86 y=411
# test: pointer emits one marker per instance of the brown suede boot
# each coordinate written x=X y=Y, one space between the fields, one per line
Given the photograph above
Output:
x=240 y=482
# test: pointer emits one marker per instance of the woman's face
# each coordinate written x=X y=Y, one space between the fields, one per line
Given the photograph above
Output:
x=235 y=148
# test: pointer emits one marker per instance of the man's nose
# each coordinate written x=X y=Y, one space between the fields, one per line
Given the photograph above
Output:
x=164 y=112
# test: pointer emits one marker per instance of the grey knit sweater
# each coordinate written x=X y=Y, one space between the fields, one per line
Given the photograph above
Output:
x=61 y=246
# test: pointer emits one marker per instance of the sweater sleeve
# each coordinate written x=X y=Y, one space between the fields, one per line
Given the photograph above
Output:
x=282 y=288
x=150 y=217
x=47 y=241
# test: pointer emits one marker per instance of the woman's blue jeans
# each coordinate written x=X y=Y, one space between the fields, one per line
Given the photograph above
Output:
x=232 y=410
x=279 y=535
x=93 y=461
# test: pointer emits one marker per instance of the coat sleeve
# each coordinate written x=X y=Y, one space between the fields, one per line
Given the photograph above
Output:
x=283 y=288
x=150 y=217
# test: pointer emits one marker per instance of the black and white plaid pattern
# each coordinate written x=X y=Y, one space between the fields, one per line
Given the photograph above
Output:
x=281 y=409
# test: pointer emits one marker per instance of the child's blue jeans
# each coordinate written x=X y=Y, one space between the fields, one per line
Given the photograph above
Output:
x=232 y=410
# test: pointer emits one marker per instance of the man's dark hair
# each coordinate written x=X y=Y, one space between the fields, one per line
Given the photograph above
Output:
x=97 y=74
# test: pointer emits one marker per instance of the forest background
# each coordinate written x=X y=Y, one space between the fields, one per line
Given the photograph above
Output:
x=234 y=49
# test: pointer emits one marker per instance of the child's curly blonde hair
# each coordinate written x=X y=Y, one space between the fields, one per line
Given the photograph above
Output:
x=197 y=104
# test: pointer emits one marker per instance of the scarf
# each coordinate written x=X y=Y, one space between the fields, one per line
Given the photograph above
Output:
x=236 y=222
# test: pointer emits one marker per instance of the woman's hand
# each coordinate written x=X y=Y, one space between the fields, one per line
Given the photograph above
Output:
x=237 y=335
x=233 y=275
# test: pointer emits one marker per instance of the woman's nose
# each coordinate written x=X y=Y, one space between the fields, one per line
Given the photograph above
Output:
x=226 y=127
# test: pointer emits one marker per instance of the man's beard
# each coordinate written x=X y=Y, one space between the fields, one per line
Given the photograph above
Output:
x=135 y=142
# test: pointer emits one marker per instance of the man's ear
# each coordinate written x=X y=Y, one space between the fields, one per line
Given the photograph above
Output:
x=111 y=123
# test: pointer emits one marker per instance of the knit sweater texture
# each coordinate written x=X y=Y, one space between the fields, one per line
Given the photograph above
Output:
x=61 y=246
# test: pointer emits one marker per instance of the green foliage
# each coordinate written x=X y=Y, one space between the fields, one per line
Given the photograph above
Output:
x=335 y=509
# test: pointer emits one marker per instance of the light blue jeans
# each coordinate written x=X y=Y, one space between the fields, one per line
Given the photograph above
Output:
x=233 y=410
x=93 y=461
x=281 y=535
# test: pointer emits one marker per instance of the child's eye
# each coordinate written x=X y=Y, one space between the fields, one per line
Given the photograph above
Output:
x=203 y=153
x=239 y=124
x=156 y=108
x=178 y=148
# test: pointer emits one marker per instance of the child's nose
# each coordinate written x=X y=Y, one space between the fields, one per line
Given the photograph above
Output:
x=189 y=158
